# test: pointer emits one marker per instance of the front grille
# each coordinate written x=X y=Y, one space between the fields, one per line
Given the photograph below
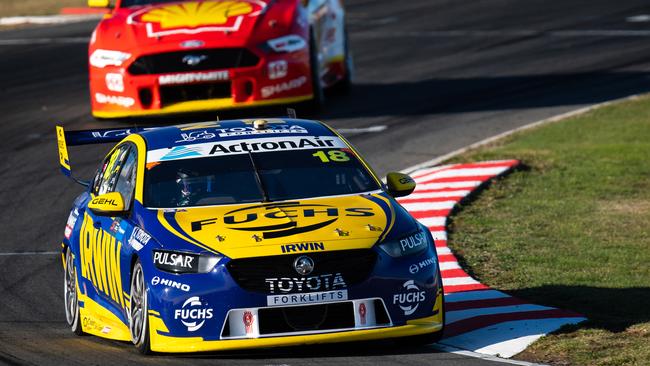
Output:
x=306 y=318
x=354 y=266
x=210 y=59
x=309 y=318
x=171 y=94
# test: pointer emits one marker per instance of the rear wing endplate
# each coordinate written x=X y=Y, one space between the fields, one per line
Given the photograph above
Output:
x=86 y=137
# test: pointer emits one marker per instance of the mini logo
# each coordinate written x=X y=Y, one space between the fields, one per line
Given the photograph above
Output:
x=193 y=60
x=362 y=313
x=414 y=268
x=193 y=43
x=248 y=321
x=303 y=265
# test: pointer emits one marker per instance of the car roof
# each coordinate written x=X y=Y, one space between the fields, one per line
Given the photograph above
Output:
x=216 y=131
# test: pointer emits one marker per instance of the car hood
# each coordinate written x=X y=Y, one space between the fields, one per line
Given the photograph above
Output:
x=198 y=23
x=251 y=230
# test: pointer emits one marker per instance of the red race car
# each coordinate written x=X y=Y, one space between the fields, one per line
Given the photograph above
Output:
x=155 y=57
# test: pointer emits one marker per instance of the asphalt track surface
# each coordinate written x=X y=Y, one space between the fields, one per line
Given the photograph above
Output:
x=439 y=73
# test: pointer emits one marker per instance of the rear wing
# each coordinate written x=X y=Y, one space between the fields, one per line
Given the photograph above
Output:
x=86 y=137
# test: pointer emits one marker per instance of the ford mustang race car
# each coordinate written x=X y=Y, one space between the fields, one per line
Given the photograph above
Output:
x=154 y=57
x=244 y=233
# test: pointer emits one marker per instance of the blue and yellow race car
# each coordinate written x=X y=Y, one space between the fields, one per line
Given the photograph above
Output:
x=244 y=233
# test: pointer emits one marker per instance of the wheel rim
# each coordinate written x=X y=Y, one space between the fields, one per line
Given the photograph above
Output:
x=138 y=306
x=70 y=289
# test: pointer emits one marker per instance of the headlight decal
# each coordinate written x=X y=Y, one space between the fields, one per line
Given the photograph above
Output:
x=409 y=245
x=102 y=58
x=290 y=43
x=182 y=262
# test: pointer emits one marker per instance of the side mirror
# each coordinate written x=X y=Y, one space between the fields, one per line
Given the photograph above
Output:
x=399 y=185
x=99 y=3
x=109 y=204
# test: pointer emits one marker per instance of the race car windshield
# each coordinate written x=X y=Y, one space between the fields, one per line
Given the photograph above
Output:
x=284 y=175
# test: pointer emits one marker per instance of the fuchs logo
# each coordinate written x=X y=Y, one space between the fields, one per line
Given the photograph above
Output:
x=287 y=219
x=410 y=298
x=322 y=282
x=193 y=314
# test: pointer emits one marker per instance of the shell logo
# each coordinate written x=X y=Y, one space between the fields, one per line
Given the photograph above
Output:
x=196 y=14
x=193 y=17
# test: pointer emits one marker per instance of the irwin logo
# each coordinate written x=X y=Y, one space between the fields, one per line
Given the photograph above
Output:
x=288 y=248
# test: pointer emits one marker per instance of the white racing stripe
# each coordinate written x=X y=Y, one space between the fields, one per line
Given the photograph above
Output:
x=439 y=235
x=433 y=186
x=454 y=316
x=354 y=131
x=467 y=172
x=428 y=206
x=459 y=281
x=49 y=19
x=443 y=250
x=433 y=221
x=34 y=41
x=506 y=33
x=415 y=196
x=508 y=338
x=28 y=253
x=475 y=295
x=449 y=265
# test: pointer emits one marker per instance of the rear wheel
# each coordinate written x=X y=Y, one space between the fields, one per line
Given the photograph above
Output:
x=317 y=102
x=70 y=294
x=345 y=84
x=138 y=309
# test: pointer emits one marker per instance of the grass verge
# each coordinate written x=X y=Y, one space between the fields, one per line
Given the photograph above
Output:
x=36 y=7
x=572 y=230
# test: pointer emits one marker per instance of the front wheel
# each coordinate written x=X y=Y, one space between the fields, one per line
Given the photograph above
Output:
x=70 y=294
x=138 y=309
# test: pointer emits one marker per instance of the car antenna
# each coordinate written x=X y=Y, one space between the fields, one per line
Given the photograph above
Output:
x=291 y=113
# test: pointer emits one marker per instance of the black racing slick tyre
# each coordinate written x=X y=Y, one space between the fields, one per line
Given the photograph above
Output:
x=344 y=86
x=315 y=105
x=138 y=311
x=70 y=295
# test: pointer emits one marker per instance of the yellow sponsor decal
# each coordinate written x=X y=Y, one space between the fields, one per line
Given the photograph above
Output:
x=63 y=149
x=238 y=231
x=100 y=260
x=196 y=14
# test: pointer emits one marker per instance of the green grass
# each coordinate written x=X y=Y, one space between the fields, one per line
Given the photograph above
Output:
x=36 y=7
x=571 y=230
